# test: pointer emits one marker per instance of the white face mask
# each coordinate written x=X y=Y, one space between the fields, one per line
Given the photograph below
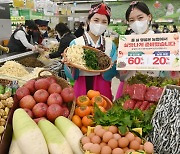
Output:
x=97 y=29
x=42 y=31
x=139 y=27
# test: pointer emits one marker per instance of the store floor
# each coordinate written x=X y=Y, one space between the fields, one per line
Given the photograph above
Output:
x=115 y=84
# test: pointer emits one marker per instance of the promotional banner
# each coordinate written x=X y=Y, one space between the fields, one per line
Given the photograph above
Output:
x=149 y=52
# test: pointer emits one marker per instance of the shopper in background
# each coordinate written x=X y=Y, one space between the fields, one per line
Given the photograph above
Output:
x=65 y=36
x=98 y=20
x=20 y=39
x=80 y=31
x=174 y=29
x=165 y=29
x=139 y=18
x=43 y=27
x=155 y=27
x=41 y=32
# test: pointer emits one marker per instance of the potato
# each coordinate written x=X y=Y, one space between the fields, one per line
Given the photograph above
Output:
x=1 y=129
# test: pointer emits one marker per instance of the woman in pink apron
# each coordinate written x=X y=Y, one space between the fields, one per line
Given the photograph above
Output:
x=139 y=19
x=98 y=20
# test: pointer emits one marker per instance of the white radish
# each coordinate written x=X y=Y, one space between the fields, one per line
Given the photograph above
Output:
x=28 y=135
x=56 y=142
x=71 y=132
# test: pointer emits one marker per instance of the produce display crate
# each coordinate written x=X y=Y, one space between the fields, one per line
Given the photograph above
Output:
x=63 y=83
x=7 y=135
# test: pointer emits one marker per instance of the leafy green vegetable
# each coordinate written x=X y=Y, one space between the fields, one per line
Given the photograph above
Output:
x=91 y=59
x=125 y=119
x=140 y=78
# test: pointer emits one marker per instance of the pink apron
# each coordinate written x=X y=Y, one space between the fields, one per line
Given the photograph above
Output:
x=99 y=84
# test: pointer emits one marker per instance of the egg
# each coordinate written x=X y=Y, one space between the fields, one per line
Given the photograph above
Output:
x=102 y=144
x=125 y=149
x=106 y=150
x=100 y=132
x=123 y=142
x=141 y=147
x=96 y=139
x=113 y=143
x=87 y=146
x=130 y=136
x=138 y=139
x=85 y=140
x=91 y=135
x=95 y=148
x=134 y=145
x=129 y=150
x=117 y=151
x=148 y=147
x=113 y=129
x=97 y=128
x=107 y=136
x=116 y=136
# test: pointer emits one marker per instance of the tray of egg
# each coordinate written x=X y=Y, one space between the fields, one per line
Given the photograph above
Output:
x=108 y=140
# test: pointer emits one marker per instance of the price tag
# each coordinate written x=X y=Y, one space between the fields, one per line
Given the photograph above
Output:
x=149 y=52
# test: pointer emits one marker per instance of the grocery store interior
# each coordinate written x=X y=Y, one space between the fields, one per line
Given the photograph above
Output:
x=89 y=77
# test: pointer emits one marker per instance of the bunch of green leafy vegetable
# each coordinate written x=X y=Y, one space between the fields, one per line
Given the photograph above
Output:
x=120 y=101
x=125 y=119
x=140 y=78
x=91 y=59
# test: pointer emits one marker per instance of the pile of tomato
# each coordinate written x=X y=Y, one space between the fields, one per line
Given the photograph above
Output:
x=84 y=111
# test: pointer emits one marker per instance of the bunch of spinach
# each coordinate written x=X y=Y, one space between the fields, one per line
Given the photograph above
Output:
x=91 y=59
x=125 y=119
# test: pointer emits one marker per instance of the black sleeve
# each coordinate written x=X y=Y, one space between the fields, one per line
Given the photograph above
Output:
x=64 y=43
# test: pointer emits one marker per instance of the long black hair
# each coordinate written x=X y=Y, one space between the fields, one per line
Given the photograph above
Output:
x=62 y=28
x=140 y=6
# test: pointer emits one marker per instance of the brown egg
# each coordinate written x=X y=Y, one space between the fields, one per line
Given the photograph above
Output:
x=138 y=139
x=91 y=135
x=123 y=142
x=102 y=144
x=113 y=143
x=117 y=151
x=130 y=136
x=116 y=136
x=125 y=149
x=141 y=147
x=113 y=129
x=106 y=150
x=134 y=145
x=97 y=128
x=85 y=140
x=129 y=150
x=107 y=136
x=96 y=139
x=95 y=148
x=100 y=132
x=148 y=147
x=87 y=146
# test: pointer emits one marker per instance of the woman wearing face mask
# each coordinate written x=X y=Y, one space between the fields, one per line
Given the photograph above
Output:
x=98 y=20
x=139 y=19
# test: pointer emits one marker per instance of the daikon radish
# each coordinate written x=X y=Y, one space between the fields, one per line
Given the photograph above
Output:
x=14 y=148
x=71 y=132
x=28 y=135
x=56 y=142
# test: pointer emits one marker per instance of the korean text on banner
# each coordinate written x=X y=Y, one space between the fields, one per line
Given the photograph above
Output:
x=149 y=52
